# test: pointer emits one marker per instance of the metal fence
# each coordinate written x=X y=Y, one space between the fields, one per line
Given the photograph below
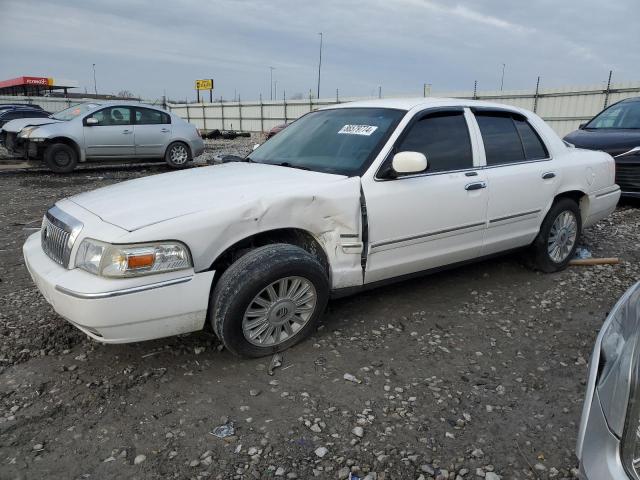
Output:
x=563 y=108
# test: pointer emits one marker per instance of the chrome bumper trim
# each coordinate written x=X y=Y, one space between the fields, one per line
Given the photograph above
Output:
x=124 y=291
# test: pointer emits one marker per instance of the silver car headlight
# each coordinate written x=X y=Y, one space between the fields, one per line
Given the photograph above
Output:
x=109 y=260
x=26 y=132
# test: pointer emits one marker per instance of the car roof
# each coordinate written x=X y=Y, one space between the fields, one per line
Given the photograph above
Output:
x=422 y=102
x=128 y=103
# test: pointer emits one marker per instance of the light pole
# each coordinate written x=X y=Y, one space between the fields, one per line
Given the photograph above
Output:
x=319 y=64
x=271 y=82
x=95 y=86
x=502 y=79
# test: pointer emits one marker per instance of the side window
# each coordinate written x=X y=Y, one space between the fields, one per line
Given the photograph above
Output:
x=502 y=143
x=534 y=149
x=146 y=116
x=443 y=138
x=113 y=116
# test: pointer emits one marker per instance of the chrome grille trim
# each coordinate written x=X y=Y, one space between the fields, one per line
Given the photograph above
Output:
x=58 y=234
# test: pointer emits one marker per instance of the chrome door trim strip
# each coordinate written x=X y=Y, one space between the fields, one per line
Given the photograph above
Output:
x=509 y=217
x=425 y=235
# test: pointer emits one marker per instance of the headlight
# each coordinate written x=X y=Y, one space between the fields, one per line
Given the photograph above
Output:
x=109 y=260
x=26 y=132
x=618 y=386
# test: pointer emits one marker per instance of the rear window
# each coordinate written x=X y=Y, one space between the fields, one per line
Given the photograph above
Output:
x=509 y=138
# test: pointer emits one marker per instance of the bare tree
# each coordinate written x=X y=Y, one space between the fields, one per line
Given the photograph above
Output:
x=125 y=94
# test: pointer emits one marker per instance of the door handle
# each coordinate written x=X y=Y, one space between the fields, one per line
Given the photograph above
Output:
x=165 y=130
x=471 y=174
x=126 y=132
x=475 y=186
x=548 y=175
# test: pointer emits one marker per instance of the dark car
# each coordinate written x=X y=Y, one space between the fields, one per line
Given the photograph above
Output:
x=8 y=113
x=616 y=130
x=276 y=129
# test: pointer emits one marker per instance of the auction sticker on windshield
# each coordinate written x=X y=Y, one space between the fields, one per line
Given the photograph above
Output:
x=358 y=130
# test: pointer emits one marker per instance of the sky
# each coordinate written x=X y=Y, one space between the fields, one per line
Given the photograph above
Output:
x=157 y=47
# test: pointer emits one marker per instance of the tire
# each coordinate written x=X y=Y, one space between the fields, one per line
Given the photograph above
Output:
x=563 y=222
x=178 y=155
x=61 y=158
x=233 y=307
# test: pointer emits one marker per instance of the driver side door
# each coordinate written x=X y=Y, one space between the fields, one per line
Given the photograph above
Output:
x=112 y=135
x=433 y=218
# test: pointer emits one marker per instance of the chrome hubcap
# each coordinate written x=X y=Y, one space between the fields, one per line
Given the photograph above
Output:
x=279 y=311
x=562 y=236
x=179 y=154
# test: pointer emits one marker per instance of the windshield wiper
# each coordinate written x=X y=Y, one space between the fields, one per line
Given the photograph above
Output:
x=287 y=164
x=235 y=158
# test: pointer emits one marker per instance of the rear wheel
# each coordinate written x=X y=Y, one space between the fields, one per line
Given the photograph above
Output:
x=177 y=155
x=61 y=158
x=557 y=240
x=269 y=300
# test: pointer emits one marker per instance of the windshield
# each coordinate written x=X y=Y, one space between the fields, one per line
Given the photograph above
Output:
x=620 y=115
x=341 y=141
x=72 y=112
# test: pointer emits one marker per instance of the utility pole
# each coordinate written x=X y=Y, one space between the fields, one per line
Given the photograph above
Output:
x=319 y=64
x=271 y=83
x=502 y=79
x=95 y=86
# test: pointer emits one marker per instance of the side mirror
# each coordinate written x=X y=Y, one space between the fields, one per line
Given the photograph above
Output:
x=91 y=121
x=582 y=125
x=256 y=146
x=409 y=162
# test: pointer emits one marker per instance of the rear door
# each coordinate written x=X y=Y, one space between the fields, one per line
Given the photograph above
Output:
x=521 y=179
x=153 y=132
x=113 y=135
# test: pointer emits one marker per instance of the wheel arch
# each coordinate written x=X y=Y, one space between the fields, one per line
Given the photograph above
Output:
x=293 y=236
x=178 y=140
x=67 y=141
x=580 y=197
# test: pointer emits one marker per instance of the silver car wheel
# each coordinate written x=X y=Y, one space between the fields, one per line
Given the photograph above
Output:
x=562 y=236
x=279 y=311
x=179 y=154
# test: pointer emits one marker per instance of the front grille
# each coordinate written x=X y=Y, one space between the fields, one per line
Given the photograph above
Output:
x=58 y=234
x=628 y=177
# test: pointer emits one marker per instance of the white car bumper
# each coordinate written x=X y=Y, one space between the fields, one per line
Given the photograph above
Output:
x=121 y=310
x=601 y=204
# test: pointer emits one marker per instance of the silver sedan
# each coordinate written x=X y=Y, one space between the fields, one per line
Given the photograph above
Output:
x=104 y=131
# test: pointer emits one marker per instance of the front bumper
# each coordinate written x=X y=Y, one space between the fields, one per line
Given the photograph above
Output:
x=628 y=176
x=121 y=310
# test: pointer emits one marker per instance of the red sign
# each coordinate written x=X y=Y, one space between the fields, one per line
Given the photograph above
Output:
x=22 y=81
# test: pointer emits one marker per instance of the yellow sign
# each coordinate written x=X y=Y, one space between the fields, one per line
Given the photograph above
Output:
x=204 y=84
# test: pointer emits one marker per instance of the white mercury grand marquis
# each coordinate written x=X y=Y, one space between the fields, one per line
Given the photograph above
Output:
x=346 y=198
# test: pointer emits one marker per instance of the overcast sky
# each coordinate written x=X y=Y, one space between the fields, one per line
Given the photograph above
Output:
x=151 y=47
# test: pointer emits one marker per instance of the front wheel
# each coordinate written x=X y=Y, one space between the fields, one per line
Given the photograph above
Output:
x=557 y=240
x=269 y=300
x=61 y=158
x=177 y=155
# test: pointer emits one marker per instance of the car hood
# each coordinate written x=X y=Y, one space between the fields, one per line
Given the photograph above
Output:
x=612 y=141
x=138 y=203
x=16 y=125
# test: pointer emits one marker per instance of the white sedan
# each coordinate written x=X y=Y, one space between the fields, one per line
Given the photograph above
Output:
x=345 y=198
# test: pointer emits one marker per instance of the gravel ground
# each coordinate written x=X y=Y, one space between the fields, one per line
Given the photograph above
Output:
x=477 y=372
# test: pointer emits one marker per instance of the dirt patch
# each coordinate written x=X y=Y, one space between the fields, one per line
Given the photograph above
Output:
x=473 y=372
